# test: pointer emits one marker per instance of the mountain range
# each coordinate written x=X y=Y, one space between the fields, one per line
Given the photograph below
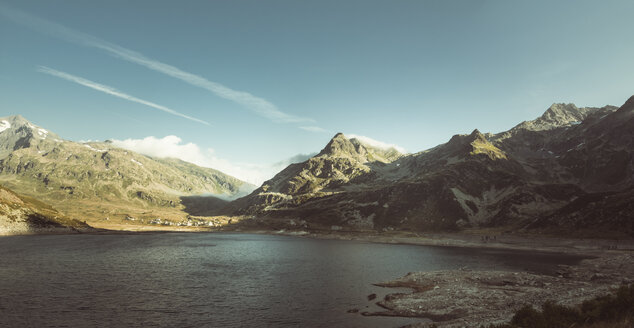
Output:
x=569 y=171
x=97 y=182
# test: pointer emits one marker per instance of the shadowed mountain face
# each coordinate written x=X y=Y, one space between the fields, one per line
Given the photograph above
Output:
x=21 y=215
x=96 y=180
x=569 y=170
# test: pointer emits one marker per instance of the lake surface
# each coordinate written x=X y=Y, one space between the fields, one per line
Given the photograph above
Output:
x=217 y=279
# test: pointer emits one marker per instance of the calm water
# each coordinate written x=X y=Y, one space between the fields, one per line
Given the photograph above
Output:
x=216 y=280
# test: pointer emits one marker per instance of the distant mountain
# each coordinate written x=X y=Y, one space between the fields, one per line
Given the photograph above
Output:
x=95 y=180
x=570 y=170
x=22 y=215
x=343 y=162
x=17 y=133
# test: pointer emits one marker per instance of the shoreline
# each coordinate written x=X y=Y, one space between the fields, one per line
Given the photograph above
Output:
x=524 y=242
x=466 y=239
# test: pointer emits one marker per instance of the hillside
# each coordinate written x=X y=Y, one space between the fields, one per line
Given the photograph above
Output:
x=98 y=182
x=23 y=215
x=570 y=170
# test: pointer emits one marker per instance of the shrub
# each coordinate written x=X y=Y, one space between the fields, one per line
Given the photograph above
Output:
x=612 y=310
x=610 y=307
x=528 y=317
x=559 y=316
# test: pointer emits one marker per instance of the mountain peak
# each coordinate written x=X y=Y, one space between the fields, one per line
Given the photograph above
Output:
x=562 y=107
x=17 y=120
x=464 y=139
x=473 y=144
x=562 y=114
x=339 y=145
x=557 y=115
x=16 y=132
x=476 y=134
x=361 y=149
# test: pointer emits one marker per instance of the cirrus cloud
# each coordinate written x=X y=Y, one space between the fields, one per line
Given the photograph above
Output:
x=114 y=92
x=254 y=103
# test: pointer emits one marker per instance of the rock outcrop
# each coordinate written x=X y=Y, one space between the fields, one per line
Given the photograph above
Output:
x=459 y=298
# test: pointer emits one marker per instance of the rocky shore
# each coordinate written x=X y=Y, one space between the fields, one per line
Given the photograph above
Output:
x=465 y=298
x=471 y=298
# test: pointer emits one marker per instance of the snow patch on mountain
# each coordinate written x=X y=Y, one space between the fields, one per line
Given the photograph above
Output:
x=94 y=149
x=136 y=162
x=43 y=133
x=4 y=124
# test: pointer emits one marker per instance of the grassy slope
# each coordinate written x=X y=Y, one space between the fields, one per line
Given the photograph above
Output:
x=22 y=210
x=97 y=181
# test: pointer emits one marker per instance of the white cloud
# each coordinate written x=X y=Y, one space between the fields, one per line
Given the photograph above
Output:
x=114 y=92
x=279 y=166
x=375 y=143
x=259 y=105
x=315 y=129
x=173 y=146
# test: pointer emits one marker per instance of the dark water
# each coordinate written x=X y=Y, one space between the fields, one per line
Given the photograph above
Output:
x=216 y=280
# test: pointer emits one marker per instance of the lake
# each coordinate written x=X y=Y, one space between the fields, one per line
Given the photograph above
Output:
x=218 y=279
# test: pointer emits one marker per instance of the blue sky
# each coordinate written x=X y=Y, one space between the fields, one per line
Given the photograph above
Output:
x=410 y=73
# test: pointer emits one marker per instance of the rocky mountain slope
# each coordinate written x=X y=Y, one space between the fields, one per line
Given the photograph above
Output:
x=22 y=215
x=96 y=180
x=570 y=170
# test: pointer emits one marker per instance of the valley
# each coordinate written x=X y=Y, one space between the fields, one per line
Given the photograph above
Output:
x=568 y=172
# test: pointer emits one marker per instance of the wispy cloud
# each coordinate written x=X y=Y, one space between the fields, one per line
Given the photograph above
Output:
x=259 y=105
x=315 y=129
x=113 y=91
x=173 y=146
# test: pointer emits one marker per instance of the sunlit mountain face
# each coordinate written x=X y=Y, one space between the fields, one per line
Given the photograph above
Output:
x=96 y=180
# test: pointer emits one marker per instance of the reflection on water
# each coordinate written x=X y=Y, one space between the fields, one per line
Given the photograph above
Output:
x=216 y=280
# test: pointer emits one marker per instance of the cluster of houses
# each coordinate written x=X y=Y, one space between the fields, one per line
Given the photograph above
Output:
x=190 y=222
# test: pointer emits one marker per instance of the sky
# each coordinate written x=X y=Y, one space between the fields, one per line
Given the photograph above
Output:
x=247 y=87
